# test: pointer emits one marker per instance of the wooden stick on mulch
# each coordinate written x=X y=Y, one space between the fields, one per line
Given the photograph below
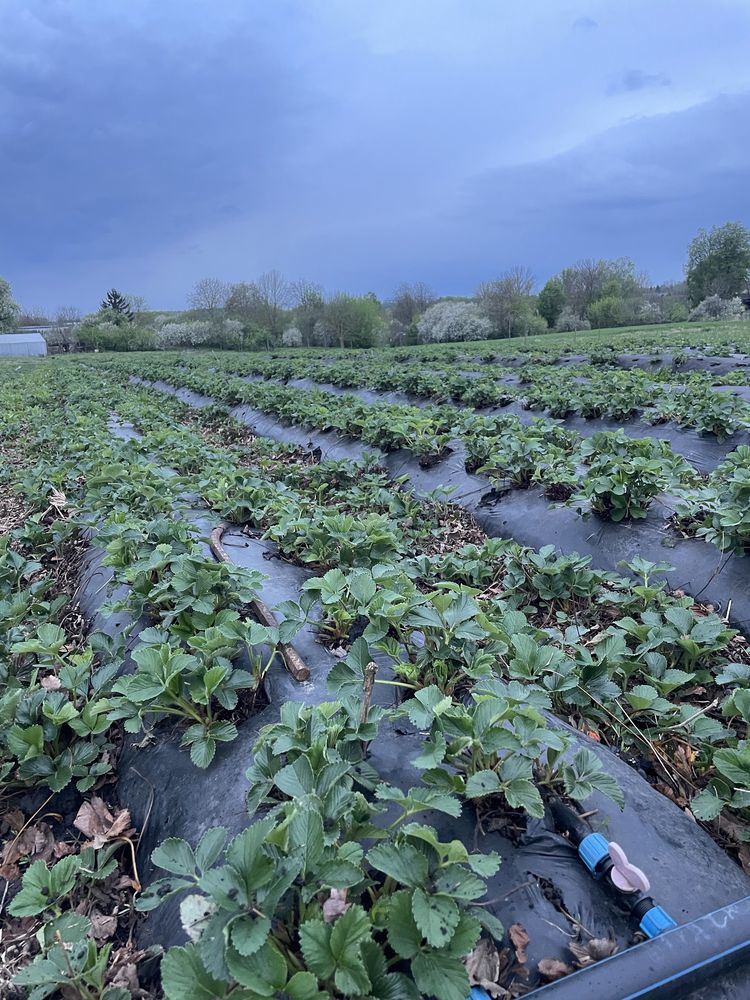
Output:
x=292 y=660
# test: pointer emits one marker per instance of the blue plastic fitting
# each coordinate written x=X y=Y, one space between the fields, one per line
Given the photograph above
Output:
x=656 y=921
x=477 y=993
x=593 y=849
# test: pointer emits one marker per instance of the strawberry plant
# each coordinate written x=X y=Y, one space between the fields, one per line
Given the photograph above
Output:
x=197 y=687
x=500 y=746
x=719 y=413
x=720 y=512
x=185 y=591
x=69 y=960
x=621 y=488
x=377 y=596
x=57 y=730
x=298 y=907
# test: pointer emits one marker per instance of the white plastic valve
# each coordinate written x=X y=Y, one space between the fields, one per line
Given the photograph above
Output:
x=626 y=877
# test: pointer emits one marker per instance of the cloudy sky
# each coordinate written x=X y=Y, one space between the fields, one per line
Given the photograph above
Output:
x=358 y=143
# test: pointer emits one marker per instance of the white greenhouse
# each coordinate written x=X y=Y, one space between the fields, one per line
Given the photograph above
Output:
x=23 y=344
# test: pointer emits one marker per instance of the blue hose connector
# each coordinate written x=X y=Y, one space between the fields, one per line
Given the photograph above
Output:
x=477 y=993
x=593 y=849
x=656 y=921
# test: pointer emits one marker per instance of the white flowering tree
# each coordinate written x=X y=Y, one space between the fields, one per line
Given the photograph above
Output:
x=291 y=337
x=569 y=321
x=448 y=321
x=190 y=333
x=714 y=307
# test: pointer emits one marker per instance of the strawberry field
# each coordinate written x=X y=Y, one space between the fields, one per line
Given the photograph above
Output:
x=306 y=657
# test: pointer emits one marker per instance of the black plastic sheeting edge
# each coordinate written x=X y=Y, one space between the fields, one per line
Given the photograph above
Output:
x=682 y=959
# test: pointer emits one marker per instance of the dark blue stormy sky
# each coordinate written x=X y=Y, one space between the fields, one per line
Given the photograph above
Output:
x=148 y=143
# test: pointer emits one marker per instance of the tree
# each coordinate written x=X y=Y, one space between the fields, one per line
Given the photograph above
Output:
x=410 y=301
x=606 y=312
x=9 y=309
x=243 y=302
x=274 y=297
x=309 y=306
x=116 y=308
x=503 y=300
x=137 y=303
x=551 y=301
x=718 y=262
x=588 y=281
x=714 y=307
x=64 y=329
x=451 y=321
x=67 y=315
x=209 y=295
x=33 y=317
x=353 y=321
x=291 y=337
x=569 y=321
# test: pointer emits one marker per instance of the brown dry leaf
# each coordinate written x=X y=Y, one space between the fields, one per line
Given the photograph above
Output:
x=588 y=952
x=127 y=977
x=335 y=905
x=684 y=759
x=551 y=969
x=519 y=937
x=102 y=925
x=96 y=822
x=123 y=970
x=483 y=962
x=37 y=843
x=12 y=820
x=483 y=966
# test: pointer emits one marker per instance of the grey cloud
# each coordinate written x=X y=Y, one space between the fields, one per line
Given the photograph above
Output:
x=625 y=192
x=637 y=79
x=149 y=146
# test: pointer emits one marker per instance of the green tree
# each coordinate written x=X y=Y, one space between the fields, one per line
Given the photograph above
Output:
x=9 y=310
x=605 y=312
x=589 y=280
x=718 y=262
x=551 y=301
x=354 y=321
x=116 y=308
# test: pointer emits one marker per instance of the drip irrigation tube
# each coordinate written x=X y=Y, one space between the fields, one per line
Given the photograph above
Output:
x=669 y=966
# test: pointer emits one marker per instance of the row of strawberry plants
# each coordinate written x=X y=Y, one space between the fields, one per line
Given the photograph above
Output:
x=609 y=473
x=709 y=339
x=168 y=577
x=585 y=390
x=63 y=710
x=55 y=683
